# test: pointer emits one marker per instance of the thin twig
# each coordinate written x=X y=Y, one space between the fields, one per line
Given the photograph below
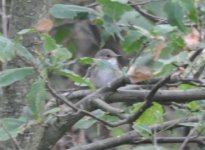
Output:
x=110 y=109
x=71 y=105
x=145 y=14
x=186 y=140
x=199 y=72
x=56 y=95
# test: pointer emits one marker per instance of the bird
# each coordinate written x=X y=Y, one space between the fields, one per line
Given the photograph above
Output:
x=105 y=69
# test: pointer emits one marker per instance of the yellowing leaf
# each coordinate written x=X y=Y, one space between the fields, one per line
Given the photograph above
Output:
x=44 y=25
x=192 y=39
x=158 y=49
x=139 y=74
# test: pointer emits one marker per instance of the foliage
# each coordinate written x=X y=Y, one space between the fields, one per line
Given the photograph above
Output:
x=36 y=98
x=162 y=45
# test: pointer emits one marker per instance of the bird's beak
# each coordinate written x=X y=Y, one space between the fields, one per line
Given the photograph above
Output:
x=116 y=55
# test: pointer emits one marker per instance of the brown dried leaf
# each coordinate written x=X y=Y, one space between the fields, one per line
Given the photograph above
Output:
x=158 y=49
x=193 y=39
x=138 y=75
x=44 y=25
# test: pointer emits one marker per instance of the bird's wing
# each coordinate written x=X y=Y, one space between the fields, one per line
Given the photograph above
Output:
x=89 y=71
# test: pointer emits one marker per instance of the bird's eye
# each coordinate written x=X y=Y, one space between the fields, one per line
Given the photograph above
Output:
x=108 y=55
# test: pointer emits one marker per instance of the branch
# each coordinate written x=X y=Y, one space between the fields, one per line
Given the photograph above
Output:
x=145 y=14
x=162 y=96
x=192 y=131
x=112 y=87
x=108 y=108
x=75 y=108
x=188 y=138
x=199 y=72
x=132 y=137
x=52 y=133
x=147 y=102
x=139 y=88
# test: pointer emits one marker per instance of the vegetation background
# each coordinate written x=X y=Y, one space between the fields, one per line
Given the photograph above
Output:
x=46 y=47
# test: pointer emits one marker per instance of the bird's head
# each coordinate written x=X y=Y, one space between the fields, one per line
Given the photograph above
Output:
x=106 y=54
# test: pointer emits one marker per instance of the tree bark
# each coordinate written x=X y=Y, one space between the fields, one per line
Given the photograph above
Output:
x=24 y=14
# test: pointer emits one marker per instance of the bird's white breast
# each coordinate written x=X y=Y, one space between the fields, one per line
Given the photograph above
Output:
x=103 y=76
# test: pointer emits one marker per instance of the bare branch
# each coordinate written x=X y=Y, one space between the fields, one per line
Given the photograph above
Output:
x=162 y=96
x=104 y=106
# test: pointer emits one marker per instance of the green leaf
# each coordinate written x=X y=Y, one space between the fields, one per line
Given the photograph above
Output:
x=74 y=77
x=86 y=60
x=191 y=10
x=120 y=1
x=84 y=123
x=13 y=126
x=113 y=9
x=179 y=58
x=163 y=29
x=62 y=11
x=155 y=8
x=193 y=106
x=133 y=41
x=111 y=29
x=117 y=132
x=175 y=14
x=6 y=49
x=163 y=70
x=36 y=99
x=134 y=18
x=189 y=124
x=156 y=112
x=87 y=122
x=23 y=52
x=10 y=76
x=186 y=87
x=110 y=118
x=143 y=130
x=26 y=31
x=60 y=55
x=164 y=63
x=145 y=59
x=52 y=111
x=49 y=43
x=173 y=46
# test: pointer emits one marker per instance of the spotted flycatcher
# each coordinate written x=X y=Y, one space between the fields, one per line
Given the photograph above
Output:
x=106 y=69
